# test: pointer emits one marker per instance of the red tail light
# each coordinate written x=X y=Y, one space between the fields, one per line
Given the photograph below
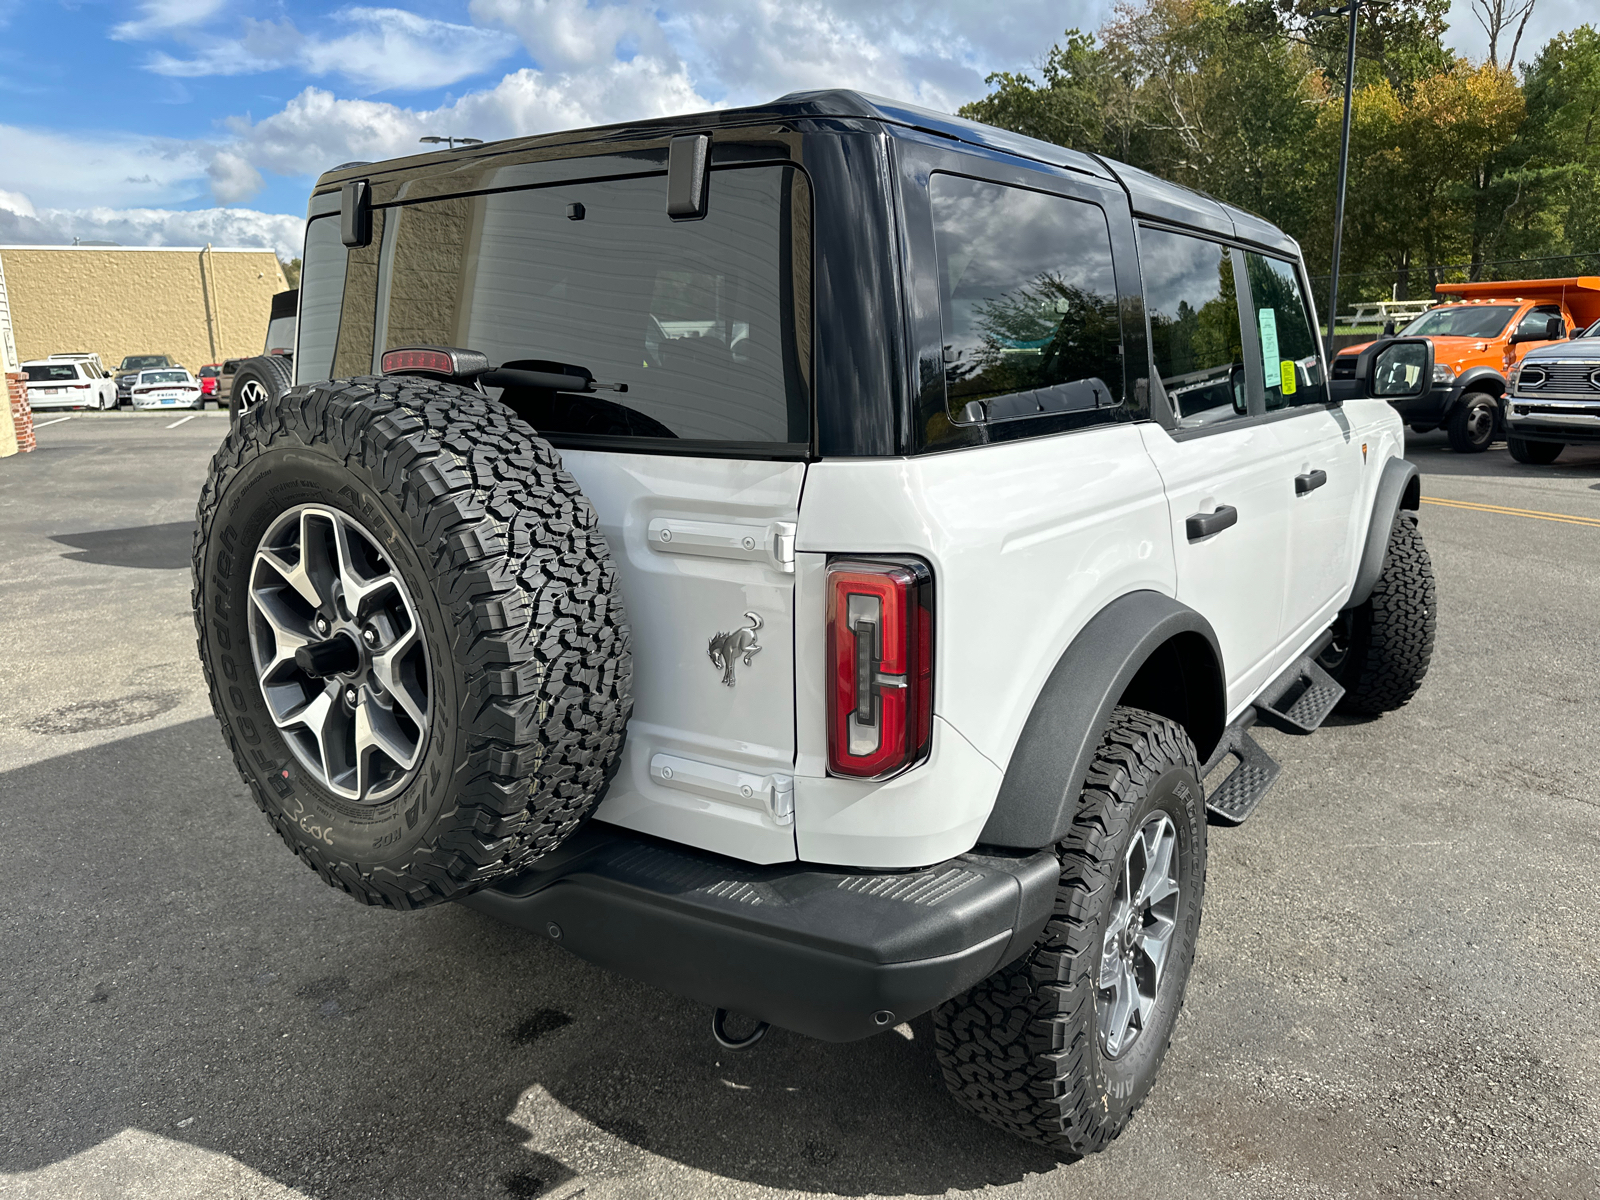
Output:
x=880 y=662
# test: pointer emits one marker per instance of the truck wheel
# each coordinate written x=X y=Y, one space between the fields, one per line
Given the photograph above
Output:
x=257 y=381
x=1539 y=453
x=1381 y=649
x=412 y=632
x=1471 y=425
x=1062 y=1046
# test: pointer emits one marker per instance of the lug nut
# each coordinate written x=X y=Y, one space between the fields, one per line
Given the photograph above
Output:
x=350 y=696
x=369 y=635
x=322 y=624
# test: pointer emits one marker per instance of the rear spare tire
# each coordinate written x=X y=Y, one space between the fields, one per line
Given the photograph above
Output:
x=412 y=632
x=257 y=381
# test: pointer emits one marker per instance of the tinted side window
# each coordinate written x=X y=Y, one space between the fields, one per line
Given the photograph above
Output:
x=1289 y=361
x=1195 y=339
x=321 y=298
x=1536 y=321
x=707 y=322
x=1028 y=299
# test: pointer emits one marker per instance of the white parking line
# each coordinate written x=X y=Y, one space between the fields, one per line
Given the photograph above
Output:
x=181 y=420
x=57 y=421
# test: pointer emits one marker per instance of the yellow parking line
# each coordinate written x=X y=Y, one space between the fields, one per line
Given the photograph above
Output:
x=1564 y=518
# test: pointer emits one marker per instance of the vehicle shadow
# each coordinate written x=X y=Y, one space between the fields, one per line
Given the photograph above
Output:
x=159 y=547
x=173 y=969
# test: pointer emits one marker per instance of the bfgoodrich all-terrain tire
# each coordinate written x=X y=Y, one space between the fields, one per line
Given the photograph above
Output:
x=258 y=381
x=411 y=628
x=1063 y=1046
x=1381 y=649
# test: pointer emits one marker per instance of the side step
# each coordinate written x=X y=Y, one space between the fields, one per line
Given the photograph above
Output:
x=1236 y=797
x=1299 y=700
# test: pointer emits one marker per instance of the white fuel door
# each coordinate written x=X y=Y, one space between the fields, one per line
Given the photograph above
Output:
x=704 y=548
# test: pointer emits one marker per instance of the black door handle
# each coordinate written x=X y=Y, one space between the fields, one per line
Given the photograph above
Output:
x=1309 y=482
x=1205 y=524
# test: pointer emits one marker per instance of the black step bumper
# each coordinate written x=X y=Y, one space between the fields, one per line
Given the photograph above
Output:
x=829 y=952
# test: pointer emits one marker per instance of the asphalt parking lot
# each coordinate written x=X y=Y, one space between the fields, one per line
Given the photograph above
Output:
x=1397 y=991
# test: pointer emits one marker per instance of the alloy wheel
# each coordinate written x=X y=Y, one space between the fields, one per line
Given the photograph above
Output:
x=250 y=394
x=1139 y=936
x=339 y=653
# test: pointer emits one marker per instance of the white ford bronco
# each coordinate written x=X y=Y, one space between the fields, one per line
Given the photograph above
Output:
x=812 y=558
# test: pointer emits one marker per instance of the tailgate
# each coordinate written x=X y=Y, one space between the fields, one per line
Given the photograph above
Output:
x=704 y=549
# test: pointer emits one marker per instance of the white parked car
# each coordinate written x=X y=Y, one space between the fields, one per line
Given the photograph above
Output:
x=67 y=383
x=167 y=387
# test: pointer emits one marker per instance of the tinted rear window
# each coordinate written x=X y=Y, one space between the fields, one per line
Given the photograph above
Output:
x=154 y=377
x=49 y=372
x=706 y=322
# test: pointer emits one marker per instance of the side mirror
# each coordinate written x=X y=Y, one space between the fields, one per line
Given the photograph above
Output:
x=1555 y=330
x=1399 y=369
x=1388 y=328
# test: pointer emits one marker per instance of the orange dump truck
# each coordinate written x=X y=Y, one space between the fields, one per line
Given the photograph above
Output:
x=1479 y=335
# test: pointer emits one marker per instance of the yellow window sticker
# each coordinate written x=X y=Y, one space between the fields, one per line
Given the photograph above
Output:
x=1290 y=377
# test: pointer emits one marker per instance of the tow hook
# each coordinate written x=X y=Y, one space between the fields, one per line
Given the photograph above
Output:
x=719 y=1030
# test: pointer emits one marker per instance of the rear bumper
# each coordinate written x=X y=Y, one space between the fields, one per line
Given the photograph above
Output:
x=832 y=953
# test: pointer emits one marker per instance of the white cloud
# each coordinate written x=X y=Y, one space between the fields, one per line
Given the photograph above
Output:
x=17 y=203
x=162 y=16
x=385 y=48
x=232 y=227
x=316 y=130
x=62 y=170
x=232 y=177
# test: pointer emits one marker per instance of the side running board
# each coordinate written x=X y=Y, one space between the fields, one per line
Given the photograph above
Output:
x=1298 y=701
x=1252 y=777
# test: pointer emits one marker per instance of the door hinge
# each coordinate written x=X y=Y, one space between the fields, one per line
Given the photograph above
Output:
x=772 y=543
x=773 y=793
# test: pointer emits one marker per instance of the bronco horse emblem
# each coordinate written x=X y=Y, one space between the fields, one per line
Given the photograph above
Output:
x=726 y=648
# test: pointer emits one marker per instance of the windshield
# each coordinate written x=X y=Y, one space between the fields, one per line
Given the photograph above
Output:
x=49 y=371
x=1592 y=331
x=139 y=362
x=164 y=377
x=1476 y=321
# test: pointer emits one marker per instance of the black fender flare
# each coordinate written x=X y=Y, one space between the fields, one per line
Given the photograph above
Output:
x=1473 y=379
x=1400 y=486
x=1039 y=793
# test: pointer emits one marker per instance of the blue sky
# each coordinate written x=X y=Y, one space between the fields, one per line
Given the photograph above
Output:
x=161 y=122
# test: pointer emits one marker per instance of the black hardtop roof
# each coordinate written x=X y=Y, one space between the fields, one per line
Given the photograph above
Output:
x=1150 y=195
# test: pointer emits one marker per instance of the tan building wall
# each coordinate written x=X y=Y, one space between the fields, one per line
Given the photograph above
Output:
x=198 y=305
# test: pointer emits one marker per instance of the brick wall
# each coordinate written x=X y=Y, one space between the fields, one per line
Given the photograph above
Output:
x=21 y=423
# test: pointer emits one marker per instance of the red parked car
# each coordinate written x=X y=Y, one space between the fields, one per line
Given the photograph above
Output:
x=208 y=375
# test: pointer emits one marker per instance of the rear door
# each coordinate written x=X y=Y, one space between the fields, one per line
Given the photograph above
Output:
x=1216 y=457
x=692 y=452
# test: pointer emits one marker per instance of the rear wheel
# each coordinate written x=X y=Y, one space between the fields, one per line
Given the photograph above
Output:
x=412 y=632
x=257 y=382
x=1063 y=1046
x=1538 y=453
x=1471 y=425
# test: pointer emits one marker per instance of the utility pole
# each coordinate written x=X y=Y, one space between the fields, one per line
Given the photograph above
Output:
x=1354 y=11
